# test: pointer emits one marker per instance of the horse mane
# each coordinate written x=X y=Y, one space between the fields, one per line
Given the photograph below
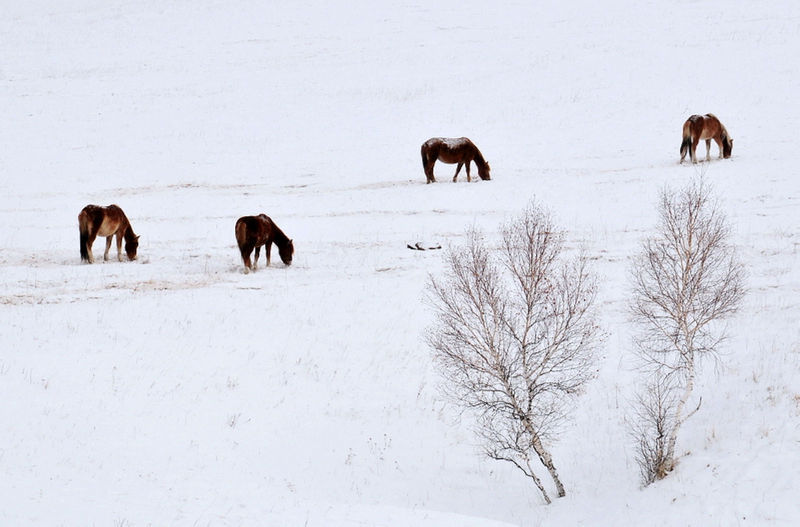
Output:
x=280 y=237
x=130 y=236
x=127 y=233
x=724 y=134
x=479 y=160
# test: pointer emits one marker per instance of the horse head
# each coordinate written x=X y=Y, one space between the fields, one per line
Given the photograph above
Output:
x=483 y=172
x=286 y=251
x=727 y=146
x=130 y=248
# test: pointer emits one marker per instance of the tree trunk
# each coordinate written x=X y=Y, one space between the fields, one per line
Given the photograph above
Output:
x=669 y=458
x=538 y=483
x=546 y=459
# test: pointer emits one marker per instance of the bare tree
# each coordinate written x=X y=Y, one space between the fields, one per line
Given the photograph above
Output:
x=686 y=280
x=652 y=425
x=515 y=337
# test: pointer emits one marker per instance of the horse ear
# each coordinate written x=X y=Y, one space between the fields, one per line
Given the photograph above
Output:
x=137 y=238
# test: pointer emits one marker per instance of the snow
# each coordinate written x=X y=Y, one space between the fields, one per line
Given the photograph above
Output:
x=176 y=390
x=452 y=142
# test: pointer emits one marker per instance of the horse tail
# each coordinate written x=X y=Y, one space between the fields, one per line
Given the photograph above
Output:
x=687 y=138
x=245 y=240
x=685 y=145
x=245 y=246
x=428 y=160
x=83 y=228
x=241 y=232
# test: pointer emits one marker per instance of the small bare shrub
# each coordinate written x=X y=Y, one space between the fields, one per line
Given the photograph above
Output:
x=652 y=426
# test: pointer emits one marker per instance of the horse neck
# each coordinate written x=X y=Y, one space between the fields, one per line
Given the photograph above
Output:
x=128 y=233
x=279 y=237
x=479 y=161
x=724 y=134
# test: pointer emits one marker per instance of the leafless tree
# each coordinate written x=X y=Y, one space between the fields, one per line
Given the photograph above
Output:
x=652 y=425
x=686 y=281
x=515 y=337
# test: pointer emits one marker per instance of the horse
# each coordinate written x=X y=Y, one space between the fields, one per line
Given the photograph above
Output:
x=450 y=150
x=94 y=221
x=255 y=231
x=708 y=127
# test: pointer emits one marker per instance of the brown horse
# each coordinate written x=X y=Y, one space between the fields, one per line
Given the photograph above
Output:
x=451 y=151
x=255 y=231
x=708 y=127
x=94 y=221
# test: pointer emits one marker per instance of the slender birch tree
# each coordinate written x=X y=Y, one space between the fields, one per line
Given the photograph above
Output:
x=686 y=281
x=515 y=337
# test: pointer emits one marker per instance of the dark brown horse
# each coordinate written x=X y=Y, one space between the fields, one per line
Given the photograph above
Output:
x=94 y=221
x=255 y=231
x=700 y=127
x=451 y=151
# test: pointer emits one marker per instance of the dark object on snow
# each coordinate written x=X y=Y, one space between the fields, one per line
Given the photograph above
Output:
x=418 y=247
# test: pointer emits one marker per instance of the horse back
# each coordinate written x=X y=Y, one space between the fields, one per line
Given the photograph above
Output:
x=703 y=126
x=451 y=150
x=103 y=221
x=256 y=230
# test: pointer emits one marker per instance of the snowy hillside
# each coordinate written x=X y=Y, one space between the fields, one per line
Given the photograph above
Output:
x=177 y=390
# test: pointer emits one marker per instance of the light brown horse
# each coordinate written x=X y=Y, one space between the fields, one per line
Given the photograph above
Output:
x=700 y=127
x=94 y=221
x=255 y=231
x=452 y=151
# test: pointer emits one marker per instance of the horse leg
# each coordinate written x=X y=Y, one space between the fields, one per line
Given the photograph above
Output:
x=427 y=165
x=267 y=251
x=693 y=149
x=89 y=243
x=108 y=247
x=258 y=253
x=245 y=250
x=429 y=170
x=719 y=145
x=458 y=169
x=708 y=150
x=119 y=245
x=468 y=178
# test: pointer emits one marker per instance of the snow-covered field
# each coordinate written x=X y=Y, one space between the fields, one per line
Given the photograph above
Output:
x=176 y=390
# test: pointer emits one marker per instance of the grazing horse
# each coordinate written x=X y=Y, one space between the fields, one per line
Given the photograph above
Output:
x=708 y=127
x=94 y=221
x=451 y=151
x=255 y=231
